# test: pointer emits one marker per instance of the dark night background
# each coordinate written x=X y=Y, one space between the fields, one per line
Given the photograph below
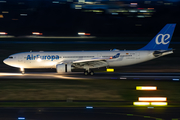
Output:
x=67 y=18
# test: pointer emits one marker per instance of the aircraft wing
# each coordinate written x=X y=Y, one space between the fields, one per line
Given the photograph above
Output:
x=97 y=59
x=93 y=62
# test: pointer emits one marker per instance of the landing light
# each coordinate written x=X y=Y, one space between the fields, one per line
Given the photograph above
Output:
x=39 y=60
x=7 y=74
x=22 y=69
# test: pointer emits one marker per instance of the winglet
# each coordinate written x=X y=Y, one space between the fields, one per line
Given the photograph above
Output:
x=162 y=39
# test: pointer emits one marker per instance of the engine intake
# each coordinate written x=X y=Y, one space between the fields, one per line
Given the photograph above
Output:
x=63 y=68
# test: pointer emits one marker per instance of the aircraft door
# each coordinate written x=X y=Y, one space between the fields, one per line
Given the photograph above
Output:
x=99 y=55
x=20 y=59
x=138 y=55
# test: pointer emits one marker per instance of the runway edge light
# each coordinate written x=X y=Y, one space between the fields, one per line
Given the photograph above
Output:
x=21 y=118
x=141 y=103
x=89 y=107
x=152 y=99
x=146 y=88
x=159 y=103
x=110 y=70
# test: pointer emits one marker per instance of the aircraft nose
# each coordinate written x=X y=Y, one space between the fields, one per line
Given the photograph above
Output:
x=5 y=61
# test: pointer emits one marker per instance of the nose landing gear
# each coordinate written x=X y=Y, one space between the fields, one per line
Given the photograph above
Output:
x=22 y=70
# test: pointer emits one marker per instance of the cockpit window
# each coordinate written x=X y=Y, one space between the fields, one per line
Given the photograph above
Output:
x=10 y=57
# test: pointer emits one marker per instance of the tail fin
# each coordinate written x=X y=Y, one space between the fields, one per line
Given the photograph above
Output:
x=162 y=39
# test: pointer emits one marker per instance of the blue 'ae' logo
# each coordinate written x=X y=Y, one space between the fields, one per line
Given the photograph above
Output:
x=163 y=39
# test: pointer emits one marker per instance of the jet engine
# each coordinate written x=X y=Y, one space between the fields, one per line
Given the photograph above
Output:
x=63 y=68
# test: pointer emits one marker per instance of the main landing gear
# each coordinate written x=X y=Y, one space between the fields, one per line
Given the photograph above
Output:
x=89 y=72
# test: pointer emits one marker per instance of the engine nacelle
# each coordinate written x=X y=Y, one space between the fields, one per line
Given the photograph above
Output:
x=63 y=68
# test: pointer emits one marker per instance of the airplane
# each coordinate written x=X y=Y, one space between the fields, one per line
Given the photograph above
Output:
x=65 y=61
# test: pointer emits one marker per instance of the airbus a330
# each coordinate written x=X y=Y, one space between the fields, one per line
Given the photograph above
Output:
x=88 y=60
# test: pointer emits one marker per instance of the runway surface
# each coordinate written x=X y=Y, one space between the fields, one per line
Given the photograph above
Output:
x=80 y=75
x=119 y=113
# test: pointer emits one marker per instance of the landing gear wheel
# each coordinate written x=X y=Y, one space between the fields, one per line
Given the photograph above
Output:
x=22 y=70
x=91 y=73
x=85 y=72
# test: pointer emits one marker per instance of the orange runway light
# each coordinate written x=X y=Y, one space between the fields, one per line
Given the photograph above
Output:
x=146 y=88
x=14 y=19
x=141 y=103
x=152 y=99
x=87 y=34
x=1 y=16
x=150 y=8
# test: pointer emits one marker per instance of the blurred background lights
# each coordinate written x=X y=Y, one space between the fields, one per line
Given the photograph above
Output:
x=83 y=33
x=36 y=33
x=3 y=1
x=5 y=11
x=3 y=33
x=57 y=2
x=146 y=88
x=1 y=16
x=133 y=11
x=134 y=4
x=78 y=6
x=81 y=1
x=114 y=13
x=23 y=14
x=143 y=11
x=152 y=99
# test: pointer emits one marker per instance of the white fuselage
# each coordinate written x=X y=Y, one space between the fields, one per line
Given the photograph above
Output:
x=51 y=59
